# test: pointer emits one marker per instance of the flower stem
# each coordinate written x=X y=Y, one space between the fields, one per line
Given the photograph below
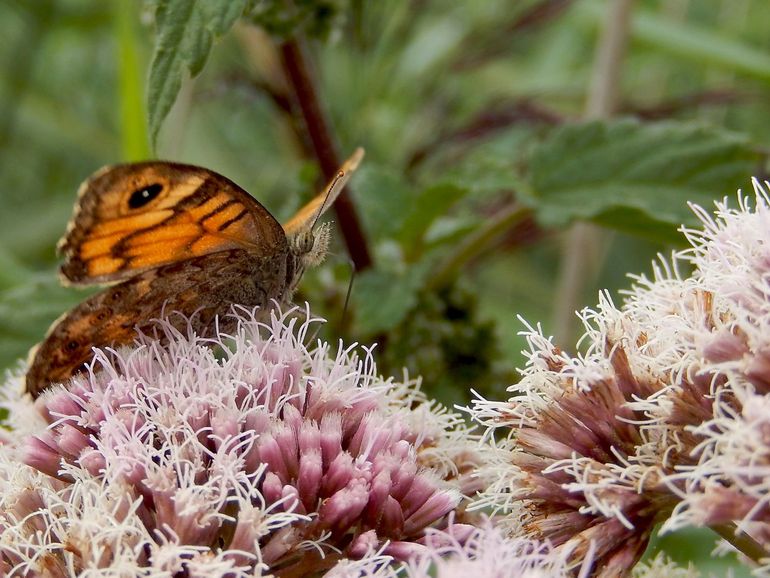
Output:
x=305 y=93
x=741 y=541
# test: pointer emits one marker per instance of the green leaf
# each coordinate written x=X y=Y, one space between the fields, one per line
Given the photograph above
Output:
x=186 y=30
x=687 y=546
x=635 y=222
x=312 y=18
x=383 y=298
x=393 y=209
x=645 y=172
x=383 y=197
x=426 y=207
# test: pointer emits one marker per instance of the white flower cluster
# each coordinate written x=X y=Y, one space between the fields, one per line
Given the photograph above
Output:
x=665 y=416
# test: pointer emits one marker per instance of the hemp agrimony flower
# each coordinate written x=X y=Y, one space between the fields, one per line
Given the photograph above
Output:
x=486 y=552
x=269 y=458
x=663 y=417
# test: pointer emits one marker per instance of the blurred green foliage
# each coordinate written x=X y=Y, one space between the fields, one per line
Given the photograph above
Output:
x=471 y=113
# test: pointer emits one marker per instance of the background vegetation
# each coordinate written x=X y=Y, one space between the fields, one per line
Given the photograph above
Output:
x=520 y=155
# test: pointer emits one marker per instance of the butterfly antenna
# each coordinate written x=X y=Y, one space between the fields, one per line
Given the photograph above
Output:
x=345 y=309
x=344 y=319
x=337 y=178
x=340 y=179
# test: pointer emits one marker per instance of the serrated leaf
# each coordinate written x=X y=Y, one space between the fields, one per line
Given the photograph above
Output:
x=647 y=172
x=186 y=30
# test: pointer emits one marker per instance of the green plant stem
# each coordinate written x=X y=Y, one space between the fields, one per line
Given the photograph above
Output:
x=476 y=243
x=742 y=542
x=585 y=244
x=133 y=120
x=318 y=127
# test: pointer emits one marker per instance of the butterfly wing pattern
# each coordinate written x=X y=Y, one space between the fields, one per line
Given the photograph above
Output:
x=200 y=288
x=134 y=217
x=171 y=238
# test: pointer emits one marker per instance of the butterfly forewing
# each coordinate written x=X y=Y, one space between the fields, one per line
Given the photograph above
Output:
x=307 y=215
x=135 y=217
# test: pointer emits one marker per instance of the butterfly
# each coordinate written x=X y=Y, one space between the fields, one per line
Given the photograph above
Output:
x=172 y=237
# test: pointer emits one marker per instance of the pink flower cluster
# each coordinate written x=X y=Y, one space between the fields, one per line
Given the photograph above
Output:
x=248 y=454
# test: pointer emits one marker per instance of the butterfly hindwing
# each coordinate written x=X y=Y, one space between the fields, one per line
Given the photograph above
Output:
x=200 y=288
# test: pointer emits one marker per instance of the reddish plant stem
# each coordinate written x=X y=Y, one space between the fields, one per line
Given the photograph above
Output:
x=318 y=128
x=741 y=541
x=538 y=15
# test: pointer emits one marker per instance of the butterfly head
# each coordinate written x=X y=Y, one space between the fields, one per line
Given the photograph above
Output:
x=308 y=248
x=307 y=242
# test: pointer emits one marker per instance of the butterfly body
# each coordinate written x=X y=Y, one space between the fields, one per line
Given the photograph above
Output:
x=170 y=238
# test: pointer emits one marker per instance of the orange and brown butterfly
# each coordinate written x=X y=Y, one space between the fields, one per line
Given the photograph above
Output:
x=172 y=237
